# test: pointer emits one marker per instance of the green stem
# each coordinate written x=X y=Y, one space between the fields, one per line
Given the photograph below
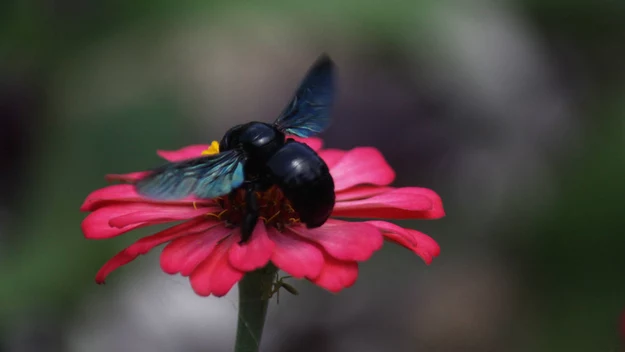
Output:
x=254 y=291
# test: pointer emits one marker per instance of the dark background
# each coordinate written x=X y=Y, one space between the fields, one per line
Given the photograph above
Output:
x=513 y=111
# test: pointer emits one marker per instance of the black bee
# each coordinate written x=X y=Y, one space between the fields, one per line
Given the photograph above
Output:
x=256 y=156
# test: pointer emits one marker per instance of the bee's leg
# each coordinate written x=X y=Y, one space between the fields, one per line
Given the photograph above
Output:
x=232 y=197
x=251 y=213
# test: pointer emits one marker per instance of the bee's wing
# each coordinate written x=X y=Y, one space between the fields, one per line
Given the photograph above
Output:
x=308 y=112
x=205 y=177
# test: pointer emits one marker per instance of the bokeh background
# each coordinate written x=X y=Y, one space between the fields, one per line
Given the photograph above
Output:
x=513 y=111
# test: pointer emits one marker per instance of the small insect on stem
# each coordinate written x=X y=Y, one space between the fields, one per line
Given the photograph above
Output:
x=290 y=289
x=278 y=284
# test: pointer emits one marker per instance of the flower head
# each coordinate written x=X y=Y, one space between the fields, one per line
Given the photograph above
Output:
x=205 y=245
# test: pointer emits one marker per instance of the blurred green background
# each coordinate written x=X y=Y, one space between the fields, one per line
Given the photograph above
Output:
x=513 y=111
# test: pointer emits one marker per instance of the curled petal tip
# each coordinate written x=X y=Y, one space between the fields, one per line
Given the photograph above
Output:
x=421 y=244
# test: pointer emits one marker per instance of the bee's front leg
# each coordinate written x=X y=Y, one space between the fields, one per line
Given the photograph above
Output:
x=251 y=212
x=232 y=197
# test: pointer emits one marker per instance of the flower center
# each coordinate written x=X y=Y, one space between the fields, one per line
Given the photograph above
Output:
x=274 y=208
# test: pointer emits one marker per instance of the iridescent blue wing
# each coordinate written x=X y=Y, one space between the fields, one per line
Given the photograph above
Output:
x=205 y=177
x=308 y=113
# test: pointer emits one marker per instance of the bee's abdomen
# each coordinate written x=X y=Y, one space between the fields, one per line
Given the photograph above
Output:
x=305 y=180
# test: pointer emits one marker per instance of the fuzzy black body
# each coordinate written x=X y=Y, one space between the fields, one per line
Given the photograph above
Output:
x=256 y=156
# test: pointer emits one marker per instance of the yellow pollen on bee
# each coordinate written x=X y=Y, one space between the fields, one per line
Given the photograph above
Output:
x=212 y=149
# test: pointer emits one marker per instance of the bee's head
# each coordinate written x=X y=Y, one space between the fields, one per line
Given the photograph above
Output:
x=257 y=139
x=256 y=135
x=231 y=138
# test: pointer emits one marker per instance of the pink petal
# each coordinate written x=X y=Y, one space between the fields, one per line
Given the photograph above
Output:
x=118 y=218
x=314 y=143
x=144 y=245
x=130 y=177
x=189 y=152
x=331 y=156
x=127 y=193
x=350 y=241
x=337 y=275
x=146 y=212
x=215 y=275
x=423 y=245
x=109 y=194
x=96 y=225
x=398 y=203
x=295 y=256
x=254 y=254
x=185 y=253
x=363 y=165
x=360 y=192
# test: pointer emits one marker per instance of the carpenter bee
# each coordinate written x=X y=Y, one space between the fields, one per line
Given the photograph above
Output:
x=256 y=156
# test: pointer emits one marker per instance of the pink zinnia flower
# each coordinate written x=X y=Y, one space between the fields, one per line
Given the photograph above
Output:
x=205 y=245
